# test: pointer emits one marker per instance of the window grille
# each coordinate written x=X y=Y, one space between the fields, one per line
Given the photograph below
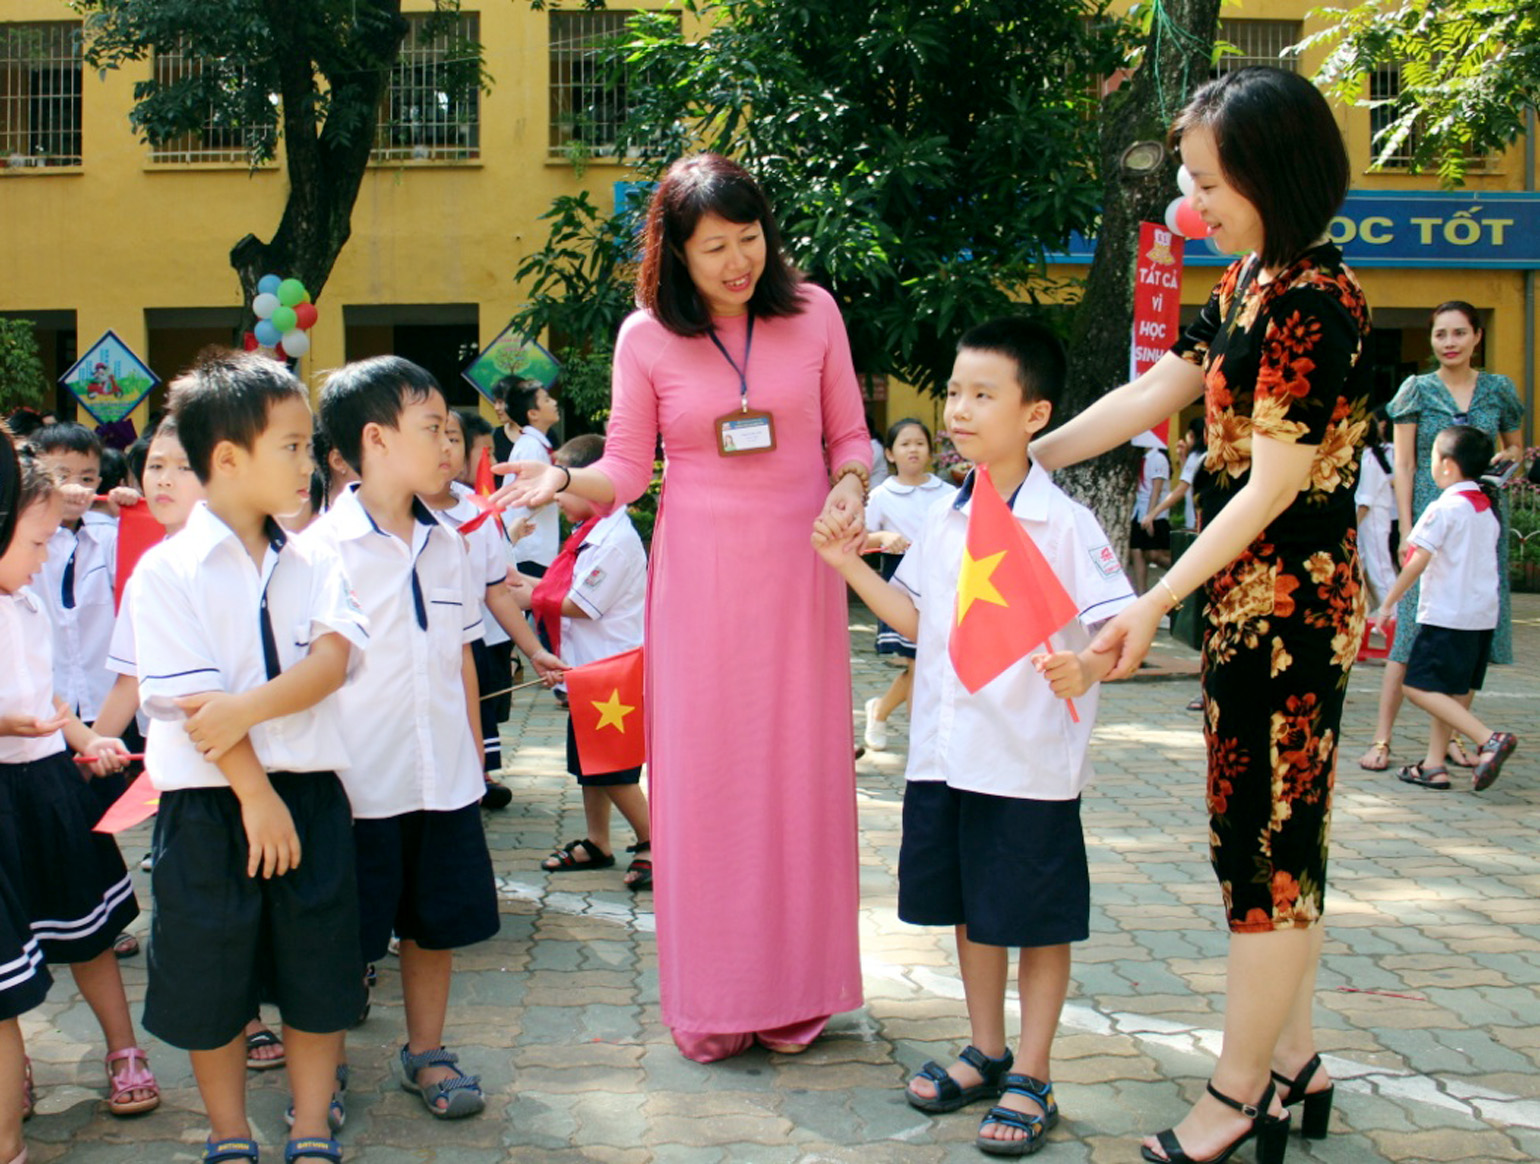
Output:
x=220 y=139
x=432 y=108
x=1385 y=85
x=1259 y=42
x=586 y=108
x=40 y=94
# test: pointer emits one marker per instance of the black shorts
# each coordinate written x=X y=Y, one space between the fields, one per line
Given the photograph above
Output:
x=426 y=877
x=221 y=941
x=494 y=672
x=1159 y=540
x=1450 y=662
x=598 y=779
x=1013 y=871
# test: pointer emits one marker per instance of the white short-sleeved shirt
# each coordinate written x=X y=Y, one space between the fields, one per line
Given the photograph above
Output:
x=881 y=471
x=543 y=544
x=82 y=630
x=1156 y=466
x=1191 y=465
x=197 y=612
x=1459 y=586
x=487 y=553
x=26 y=679
x=609 y=583
x=1013 y=737
x=902 y=508
x=1376 y=490
x=403 y=717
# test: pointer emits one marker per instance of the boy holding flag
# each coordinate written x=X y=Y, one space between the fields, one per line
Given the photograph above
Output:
x=992 y=842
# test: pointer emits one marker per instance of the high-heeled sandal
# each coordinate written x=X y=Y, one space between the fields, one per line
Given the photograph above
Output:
x=1270 y=1132
x=1316 y=1114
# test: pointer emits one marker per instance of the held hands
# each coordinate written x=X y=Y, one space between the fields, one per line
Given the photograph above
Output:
x=216 y=721
x=1127 y=636
x=844 y=513
x=832 y=546
x=271 y=842
x=529 y=484
x=32 y=727
x=107 y=755
x=1064 y=672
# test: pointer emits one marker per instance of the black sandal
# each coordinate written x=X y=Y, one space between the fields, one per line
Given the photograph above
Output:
x=567 y=861
x=1270 y=1132
x=1033 y=1127
x=1316 y=1114
x=951 y=1095
x=1424 y=777
x=640 y=865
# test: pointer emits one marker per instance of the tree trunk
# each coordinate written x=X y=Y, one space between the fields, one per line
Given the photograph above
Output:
x=1177 y=53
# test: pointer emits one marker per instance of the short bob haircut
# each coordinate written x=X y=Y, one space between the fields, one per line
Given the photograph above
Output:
x=228 y=396
x=372 y=391
x=1280 y=148
x=694 y=186
x=1041 y=366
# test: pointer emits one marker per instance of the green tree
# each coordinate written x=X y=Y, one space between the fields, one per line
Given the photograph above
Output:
x=304 y=77
x=22 y=381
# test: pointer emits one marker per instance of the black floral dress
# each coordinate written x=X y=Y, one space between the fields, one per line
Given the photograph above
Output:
x=1288 y=359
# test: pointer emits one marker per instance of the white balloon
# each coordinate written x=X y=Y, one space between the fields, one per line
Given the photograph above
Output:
x=1171 y=210
x=1184 y=181
x=264 y=305
x=296 y=342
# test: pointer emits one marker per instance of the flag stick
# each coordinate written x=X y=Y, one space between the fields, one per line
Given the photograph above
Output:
x=129 y=756
x=515 y=687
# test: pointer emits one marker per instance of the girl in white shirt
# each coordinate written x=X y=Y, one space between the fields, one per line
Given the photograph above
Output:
x=1376 y=500
x=895 y=513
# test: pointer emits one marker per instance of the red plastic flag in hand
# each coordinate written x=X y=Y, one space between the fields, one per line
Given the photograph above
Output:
x=1008 y=600
x=137 y=532
x=605 y=699
x=139 y=803
x=486 y=485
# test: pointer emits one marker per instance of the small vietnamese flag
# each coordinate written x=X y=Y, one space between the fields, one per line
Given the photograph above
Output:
x=139 y=803
x=486 y=485
x=137 y=532
x=1008 y=600
x=605 y=699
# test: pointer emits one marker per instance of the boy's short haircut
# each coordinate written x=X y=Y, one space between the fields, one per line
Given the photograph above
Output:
x=473 y=424
x=580 y=451
x=522 y=399
x=66 y=437
x=227 y=396
x=138 y=454
x=114 y=470
x=1041 y=366
x=372 y=391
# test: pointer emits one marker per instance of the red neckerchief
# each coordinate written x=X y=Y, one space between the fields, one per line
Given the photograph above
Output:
x=1478 y=499
x=554 y=586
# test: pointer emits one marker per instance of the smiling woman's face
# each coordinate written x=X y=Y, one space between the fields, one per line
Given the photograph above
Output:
x=725 y=260
x=1233 y=218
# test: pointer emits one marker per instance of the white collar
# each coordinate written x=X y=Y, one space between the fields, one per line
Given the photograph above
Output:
x=894 y=485
x=1029 y=501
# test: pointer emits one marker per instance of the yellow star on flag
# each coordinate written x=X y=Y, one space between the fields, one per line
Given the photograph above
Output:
x=974 y=585
x=612 y=712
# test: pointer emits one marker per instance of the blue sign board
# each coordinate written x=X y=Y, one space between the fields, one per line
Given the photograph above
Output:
x=1411 y=228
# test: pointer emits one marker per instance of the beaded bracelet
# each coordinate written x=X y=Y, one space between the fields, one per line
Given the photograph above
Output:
x=860 y=472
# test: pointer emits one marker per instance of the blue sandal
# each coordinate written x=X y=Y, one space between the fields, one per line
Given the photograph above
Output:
x=312 y=1148
x=951 y=1095
x=461 y=1093
x=217 y=1150
x=1034 y=1127
x=336 y=1111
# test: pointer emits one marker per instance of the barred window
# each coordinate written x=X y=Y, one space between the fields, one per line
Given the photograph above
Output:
x=432 y=109
x=221 y=138
x=40 y=94
x=586 y=107
x=1258 y=42
x=1384 y=88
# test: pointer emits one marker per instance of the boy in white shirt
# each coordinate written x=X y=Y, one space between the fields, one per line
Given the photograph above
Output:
x=411 y=719
x=531 y=405
x=992 y=843
x=242 y=637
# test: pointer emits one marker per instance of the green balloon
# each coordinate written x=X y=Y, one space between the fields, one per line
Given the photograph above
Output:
x=290 y=292
x=284 y=319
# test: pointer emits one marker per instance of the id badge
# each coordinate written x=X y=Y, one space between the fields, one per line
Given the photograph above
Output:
x=745 y=431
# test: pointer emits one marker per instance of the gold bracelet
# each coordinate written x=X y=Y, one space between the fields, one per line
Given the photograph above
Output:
x=1175 y=601
x=864 y=474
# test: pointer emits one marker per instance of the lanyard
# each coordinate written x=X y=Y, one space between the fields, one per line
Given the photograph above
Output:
x=743 y=372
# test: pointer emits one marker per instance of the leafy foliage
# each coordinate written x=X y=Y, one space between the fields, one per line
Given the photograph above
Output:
x=22 y=381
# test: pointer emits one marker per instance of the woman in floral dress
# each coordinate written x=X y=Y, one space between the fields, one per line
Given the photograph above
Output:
x=1281 y=355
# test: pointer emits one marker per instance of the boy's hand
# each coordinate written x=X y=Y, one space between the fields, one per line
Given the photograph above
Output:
x=77 y=497
x=272 y=843
x=107 y=755
x=1064 y=673
x=31 y=727
x=548 y=667
x=216 y=721
x=832 y=547
x=521 y=529
x=122 y=497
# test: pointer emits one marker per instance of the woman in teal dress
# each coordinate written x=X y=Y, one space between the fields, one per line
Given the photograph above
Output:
x=1455 y=393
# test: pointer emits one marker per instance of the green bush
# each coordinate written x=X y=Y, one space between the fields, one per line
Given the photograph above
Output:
x=22 y=382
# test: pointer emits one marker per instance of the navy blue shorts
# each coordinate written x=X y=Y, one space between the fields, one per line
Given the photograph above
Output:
x=222 y=941
x=427 y=878
x=1450 y=662
x=598 y=779
x=1013 y=871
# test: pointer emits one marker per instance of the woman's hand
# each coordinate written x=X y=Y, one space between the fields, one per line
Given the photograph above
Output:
x=1129 y=635
x=844 y=512
x=530 y=484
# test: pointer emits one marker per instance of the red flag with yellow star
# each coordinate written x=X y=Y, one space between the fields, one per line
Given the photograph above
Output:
x=605 y=699
x=486 y=485
x=1008 y=599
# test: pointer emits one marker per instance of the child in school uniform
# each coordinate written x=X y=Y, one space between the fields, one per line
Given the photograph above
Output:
x=1454 y=552
x=592 y=604
x=894 y=514
x=242 y=637
x=411 y=719
x=992 y=843
x=72 y=882
x=530 y=405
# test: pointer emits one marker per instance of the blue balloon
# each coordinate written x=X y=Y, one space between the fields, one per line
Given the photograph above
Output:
x=268 y=284
x=267 y=335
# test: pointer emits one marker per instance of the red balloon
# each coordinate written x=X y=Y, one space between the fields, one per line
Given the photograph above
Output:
x=249 y=342
x=304 y=316
x=1189 y=221
x=279 y=354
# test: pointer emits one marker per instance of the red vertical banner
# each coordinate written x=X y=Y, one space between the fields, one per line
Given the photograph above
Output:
x=1157 y=302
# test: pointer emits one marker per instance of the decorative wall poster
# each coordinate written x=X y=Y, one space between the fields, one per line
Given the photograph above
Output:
x=511 y=354
x=109 y=380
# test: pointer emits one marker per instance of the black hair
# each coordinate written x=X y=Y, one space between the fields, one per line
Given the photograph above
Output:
x=1378 y=436
x=137 y=454
x=898 y=427
x=1471 y=450
x=1464 y=308
x=1280 y=148
x=695 y=186
x=1197 y=428
x=23 y=423
x=1041 y=366
x=66 y=437
x=472 y=424
x=317 y=490
x=114 y=470
x=521 y=400
x=581 y=451
x=227 y=396
x=372 y=391
x=320 y=447
x=10 y=488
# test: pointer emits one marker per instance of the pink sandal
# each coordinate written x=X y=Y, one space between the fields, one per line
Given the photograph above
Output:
x=136 y=1076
